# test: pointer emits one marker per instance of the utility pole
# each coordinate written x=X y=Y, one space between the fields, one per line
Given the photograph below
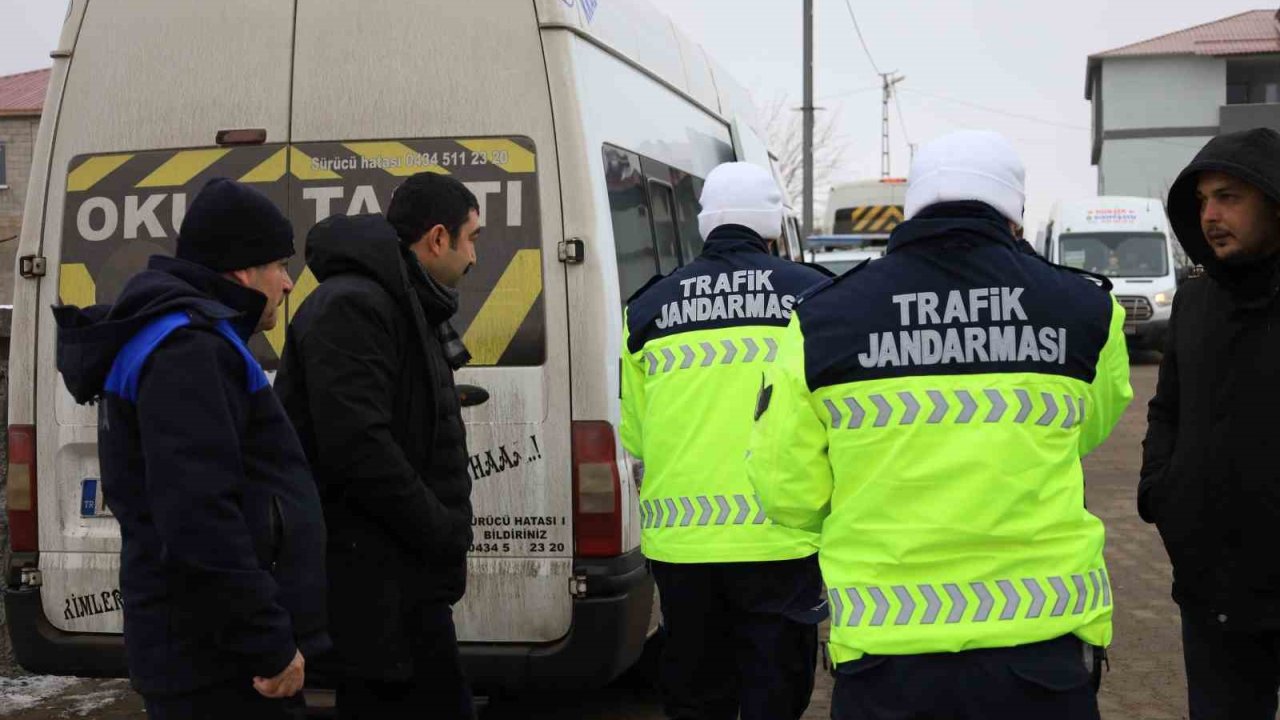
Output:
x=808 y=118
x=888 y=79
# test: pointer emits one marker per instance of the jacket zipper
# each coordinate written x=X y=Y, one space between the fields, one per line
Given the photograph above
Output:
x=277 y=531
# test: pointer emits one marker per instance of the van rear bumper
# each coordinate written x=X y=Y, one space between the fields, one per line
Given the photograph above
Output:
x=41 y=648
x=608 y=633
x=610 y=626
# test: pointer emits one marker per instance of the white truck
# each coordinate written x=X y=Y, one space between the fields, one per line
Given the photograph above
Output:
x=1126 y=239
x=861 y=215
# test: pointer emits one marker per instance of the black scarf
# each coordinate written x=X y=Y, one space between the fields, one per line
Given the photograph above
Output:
x=439 y=304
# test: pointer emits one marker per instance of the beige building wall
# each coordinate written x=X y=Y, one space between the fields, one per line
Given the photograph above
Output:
x=18 y=135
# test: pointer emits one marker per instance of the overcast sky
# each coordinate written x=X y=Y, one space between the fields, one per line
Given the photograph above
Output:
x=1022 y=62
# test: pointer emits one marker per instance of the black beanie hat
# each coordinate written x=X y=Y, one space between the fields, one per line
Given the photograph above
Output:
x=231 y=226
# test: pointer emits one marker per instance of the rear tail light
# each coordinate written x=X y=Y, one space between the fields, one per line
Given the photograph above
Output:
x=241 y=136
x=21 y=489
x=597 y=491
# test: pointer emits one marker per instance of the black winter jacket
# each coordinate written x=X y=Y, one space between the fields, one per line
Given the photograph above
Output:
x=1210 y=479
x=365 y=379
x=222 y=563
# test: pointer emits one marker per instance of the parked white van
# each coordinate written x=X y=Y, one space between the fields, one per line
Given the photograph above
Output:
x=1126 y=239
x=585 y=129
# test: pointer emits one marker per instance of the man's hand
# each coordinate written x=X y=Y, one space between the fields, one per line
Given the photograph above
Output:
x=286 y=684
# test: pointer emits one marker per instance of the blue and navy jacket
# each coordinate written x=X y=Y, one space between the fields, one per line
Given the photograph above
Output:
x=222 y=563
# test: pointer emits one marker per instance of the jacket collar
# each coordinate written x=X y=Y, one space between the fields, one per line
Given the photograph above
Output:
x=967 y=220
x=438 y=302
x=734 y=238
x=224 y=299
x=1252 y=287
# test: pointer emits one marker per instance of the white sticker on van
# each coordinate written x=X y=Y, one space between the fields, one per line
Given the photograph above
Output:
x=1111 y=216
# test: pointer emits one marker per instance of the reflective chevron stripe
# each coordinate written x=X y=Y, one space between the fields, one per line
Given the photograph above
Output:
x=702 y=511
x=707 y=354
x=933 y=407
x=985 y=601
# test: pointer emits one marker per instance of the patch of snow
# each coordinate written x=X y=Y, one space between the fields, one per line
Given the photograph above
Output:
x=85 y=703
x=20 y=693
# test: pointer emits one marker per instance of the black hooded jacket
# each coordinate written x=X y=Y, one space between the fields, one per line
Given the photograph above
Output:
x=222 y=562
x=1210 y=480
x=365 y=379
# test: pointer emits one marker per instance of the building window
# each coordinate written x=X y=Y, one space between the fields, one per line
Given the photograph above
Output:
x=1253 y=81
x=4 y=173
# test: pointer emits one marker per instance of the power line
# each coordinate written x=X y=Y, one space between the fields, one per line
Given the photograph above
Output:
x=1184 y=144
x=997 y=111
x=847 y=93
x=888 y=83
x=862 y=40
x=902 y=121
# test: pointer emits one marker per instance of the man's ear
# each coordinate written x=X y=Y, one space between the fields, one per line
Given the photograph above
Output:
x=238 y=276
x=437 y=240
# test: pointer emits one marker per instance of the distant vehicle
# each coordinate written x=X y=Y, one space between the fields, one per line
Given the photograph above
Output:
x=839 y=261
x=1126 y=239
x=862 y=215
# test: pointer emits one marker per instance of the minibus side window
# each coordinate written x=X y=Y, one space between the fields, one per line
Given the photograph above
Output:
x=688 y=189
x=664 y=226
x=632 y=229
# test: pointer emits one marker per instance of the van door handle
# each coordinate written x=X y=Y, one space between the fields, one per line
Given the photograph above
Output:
x=472 y=395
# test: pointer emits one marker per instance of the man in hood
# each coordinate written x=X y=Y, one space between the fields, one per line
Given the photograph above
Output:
x=367 y=377
x=222 y=562
x=1209 y=481
x=927 y=415
x=741 y=597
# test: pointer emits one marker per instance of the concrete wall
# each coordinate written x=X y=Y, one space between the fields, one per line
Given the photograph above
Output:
x=1162 y=92
x=1145 y=168
x=1149 y=104
x=1247 y=117
x=18 y=134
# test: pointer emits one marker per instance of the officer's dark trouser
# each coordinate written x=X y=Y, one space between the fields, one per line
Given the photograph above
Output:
x=237 y=700
x=740 y=638
x=1045 y=681
x=1230 y=674
x=437 y=690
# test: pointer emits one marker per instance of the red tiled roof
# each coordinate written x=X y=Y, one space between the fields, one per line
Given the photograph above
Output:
x=23 y=94
x=1256 y=31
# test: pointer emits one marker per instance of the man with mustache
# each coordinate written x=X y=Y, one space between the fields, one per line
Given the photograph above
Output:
x=367 y=377
x=1210 y=481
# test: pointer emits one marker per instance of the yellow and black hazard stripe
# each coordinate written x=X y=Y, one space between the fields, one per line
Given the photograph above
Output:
x=868 y=219
x=501 y=317
x=260 y=164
